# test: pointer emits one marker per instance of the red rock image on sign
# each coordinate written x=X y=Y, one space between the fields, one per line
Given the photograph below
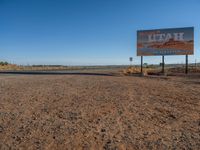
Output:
x=175 y=41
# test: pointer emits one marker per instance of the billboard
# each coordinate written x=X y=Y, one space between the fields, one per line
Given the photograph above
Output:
x=174 y=41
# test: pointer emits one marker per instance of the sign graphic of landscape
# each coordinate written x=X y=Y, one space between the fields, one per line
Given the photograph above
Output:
x=176 y=41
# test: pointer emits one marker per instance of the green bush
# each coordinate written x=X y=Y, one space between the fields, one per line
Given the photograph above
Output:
x=3 y=63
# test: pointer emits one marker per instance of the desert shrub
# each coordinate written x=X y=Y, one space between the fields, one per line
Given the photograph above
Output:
x=131 y=70
x=3 y=63
x=136 y=70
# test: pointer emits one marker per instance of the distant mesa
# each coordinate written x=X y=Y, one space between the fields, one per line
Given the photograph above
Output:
x=172 y=44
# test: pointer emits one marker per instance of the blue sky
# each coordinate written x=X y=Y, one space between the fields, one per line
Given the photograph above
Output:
x=89 y=32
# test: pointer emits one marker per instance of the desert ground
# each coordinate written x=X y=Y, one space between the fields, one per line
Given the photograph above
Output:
x=99 y=111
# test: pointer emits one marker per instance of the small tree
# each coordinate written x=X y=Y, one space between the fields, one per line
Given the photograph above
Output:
x=145 y=64
x=5 y=63
x=2 y=63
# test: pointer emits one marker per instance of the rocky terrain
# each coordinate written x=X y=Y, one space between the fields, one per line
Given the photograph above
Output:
x=99 y=112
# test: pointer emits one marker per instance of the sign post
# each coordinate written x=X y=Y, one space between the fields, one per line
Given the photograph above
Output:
x=130 y=59
x=141 y=64
x=163 y=64
x=186 y=64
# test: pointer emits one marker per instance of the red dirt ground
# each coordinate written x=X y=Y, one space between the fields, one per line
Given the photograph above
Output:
x=99 y=112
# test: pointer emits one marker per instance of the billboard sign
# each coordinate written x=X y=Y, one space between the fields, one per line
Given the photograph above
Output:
x=174 y=41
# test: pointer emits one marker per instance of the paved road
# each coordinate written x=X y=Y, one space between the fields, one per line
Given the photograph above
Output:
x=73 y=72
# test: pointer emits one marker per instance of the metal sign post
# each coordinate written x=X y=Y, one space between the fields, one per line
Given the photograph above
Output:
x=130 y=59
x=163 y=64
x=186 y=64
x=141 y=64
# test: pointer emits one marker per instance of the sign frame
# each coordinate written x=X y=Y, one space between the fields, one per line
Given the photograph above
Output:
x=168 y=41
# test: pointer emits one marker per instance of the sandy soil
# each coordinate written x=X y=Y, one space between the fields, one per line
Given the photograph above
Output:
x=99 y=112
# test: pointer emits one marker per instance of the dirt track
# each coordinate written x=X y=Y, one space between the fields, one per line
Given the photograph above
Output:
x=99 y=112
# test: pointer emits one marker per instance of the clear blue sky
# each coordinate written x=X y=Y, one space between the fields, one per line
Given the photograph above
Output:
x=88 y=32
